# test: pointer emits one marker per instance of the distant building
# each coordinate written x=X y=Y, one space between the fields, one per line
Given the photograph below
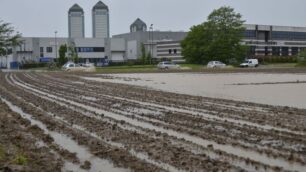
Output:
x=100 y=20
x=76 y=24
x=265 y=40
x=138 y=25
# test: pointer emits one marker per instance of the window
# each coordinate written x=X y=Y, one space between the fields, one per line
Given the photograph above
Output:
x=89 y=49
x=49 y=49
x=41 y=49
x=170 y=51
x=279 y=35
x=249 y=34
x=175 y=51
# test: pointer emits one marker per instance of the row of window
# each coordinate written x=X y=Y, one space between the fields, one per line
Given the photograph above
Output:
x=301 y=36
x=278 y=35
x=90 y=49
x=78 y=49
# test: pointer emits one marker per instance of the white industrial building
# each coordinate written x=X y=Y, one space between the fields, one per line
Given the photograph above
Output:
x=263 y=40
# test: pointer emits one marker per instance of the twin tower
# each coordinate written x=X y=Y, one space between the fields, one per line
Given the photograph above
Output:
x=100 y=21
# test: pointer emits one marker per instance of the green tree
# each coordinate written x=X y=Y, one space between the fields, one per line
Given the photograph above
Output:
x=217 y=39
x=62 y=54
x=72 y=53
x=148 y=58
x=303 y=54
x=143 y=56
x=8 y=37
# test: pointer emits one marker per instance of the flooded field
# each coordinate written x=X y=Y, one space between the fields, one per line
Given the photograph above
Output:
x=273 y=89
x=154 y=122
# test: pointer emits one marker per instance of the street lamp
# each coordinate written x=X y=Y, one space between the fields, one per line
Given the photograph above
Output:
x=55 y=40
x=152 y=38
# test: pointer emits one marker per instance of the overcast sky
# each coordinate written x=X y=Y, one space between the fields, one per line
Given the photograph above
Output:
x=40 y=18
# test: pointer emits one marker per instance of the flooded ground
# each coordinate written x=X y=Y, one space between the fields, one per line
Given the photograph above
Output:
x=94 y=123
x=273 y=89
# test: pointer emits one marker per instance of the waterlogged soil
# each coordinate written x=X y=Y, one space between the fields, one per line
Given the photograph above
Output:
x=132 y=128
x=21 y=147
x=284 y=89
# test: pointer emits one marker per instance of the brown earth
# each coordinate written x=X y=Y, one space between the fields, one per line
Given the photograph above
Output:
x=140 y=129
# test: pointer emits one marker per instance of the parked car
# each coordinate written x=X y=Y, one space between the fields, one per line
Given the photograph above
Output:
x=167 y=65
x=250 y=63
x=215 y=64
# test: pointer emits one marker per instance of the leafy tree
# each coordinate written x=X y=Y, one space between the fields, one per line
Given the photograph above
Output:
x=143 y=56
x=8 y=37
x=148 y=58
x=62 y=54
x=303 y=54
x=217 y=39
x=72 y=53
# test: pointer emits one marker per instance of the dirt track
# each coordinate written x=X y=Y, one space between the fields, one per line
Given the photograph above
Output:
x=135 y=129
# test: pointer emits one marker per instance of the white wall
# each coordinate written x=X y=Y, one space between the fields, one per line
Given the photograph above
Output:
x=132 y=50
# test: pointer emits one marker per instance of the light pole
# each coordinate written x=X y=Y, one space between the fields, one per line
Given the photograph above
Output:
x=151 y=29
x=55 y=40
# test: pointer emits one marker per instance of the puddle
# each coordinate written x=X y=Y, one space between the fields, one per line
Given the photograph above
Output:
x=65 y=142
x=219 y=86
x=227 y=148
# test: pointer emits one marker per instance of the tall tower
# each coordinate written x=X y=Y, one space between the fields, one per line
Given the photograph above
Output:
x=100 y=21
x=138 y=25
x=76 y=22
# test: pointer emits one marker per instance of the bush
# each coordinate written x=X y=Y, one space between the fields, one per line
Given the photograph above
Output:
x=33 y=65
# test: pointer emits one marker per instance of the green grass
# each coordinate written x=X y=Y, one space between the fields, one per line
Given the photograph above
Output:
x=301 y=64
x=127 y=69
x=280 y=65
x=193 y=66
x=21 y=159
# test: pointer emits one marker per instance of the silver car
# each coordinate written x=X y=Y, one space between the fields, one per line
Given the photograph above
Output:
x=215 y=64
x=167 y=65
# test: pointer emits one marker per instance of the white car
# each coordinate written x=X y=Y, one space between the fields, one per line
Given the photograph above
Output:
x=250 y=63
x=167 y=65
x=215 y=64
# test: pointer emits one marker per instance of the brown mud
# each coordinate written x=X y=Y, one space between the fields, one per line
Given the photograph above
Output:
x=139 y=129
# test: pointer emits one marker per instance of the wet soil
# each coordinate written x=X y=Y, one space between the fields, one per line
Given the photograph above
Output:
x=19 y=145
x=139 y=129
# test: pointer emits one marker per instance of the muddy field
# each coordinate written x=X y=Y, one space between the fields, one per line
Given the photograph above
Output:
x=71 y=124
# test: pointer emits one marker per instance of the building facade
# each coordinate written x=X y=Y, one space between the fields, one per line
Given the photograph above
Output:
x=76 y=23
x=93 y=50
x=265 y=40
x=100 y=21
